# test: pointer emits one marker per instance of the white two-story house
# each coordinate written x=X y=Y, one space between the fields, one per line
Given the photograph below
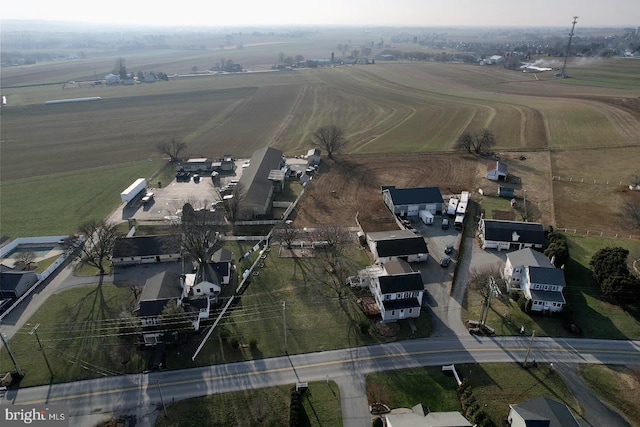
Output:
x=544 y=286
x=398 y=291
x=541 y=282
x=518 y=260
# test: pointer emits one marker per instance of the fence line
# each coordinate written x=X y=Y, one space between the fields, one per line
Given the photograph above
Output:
x=598 y=233
x=578 y=180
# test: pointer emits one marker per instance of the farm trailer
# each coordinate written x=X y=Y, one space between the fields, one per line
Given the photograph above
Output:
x=133 y=190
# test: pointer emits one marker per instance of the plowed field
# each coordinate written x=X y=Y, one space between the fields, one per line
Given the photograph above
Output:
x=350 y=185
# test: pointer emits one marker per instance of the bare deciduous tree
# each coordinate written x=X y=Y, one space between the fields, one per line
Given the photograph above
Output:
x=25 y=257
x=332 y=242
x=465 y=141
x=286 y=234
x=330 y=138
x=100 y=237
x=476 y=143
x=199 y=233
x=631 y=211
x=171 y=149
x=231 y=205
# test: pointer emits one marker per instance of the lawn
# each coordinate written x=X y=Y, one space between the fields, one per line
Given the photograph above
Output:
x=80 y=327
x=59 y=203
x=498 y=385
x=597 y=316
x=409 y=387
x=618 y=386
x=495 y=386
x=316 y=320
x=261 y=407
x=79 y=332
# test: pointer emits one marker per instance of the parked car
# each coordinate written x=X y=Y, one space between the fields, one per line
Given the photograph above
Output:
x=196 y=178
x=445 y=223
x=448 y=250
x=445 y=262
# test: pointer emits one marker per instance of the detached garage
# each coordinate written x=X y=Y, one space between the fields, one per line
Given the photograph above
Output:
x=405 y=202
x=511 y=235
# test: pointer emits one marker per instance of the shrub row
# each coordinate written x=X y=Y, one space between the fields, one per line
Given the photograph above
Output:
x=471 y=408
x=295 y=409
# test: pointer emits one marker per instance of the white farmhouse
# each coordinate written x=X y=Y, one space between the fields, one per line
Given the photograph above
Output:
x=398 y=291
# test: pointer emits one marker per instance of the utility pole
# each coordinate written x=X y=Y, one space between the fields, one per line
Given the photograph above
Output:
x=164 y=408
x=526 y=358
x=487 y=306
x=13 y=359
x=566 y=55
x=35 y=331
x=284 y=323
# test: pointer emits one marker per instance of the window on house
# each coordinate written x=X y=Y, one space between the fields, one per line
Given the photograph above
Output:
x=211 y=290
x=546 y=287
x=198 y=290
x=411 y=310
x=398 y=296
x=554 y=288
x=393 y=312
x=386 y=297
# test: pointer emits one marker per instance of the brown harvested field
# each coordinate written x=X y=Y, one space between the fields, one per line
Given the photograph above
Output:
x=532 y=174
x=584 y=205
x=351 y=184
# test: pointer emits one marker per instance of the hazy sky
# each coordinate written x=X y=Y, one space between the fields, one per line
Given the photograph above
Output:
x=521 y=13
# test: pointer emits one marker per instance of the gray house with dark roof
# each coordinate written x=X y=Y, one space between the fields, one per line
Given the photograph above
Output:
x=511 y=235
x=399 y=296
x=13 y=284
x=256 y=189
x=146 y=249
x=544 y=286
x=403 y=244
x=541 y=412
x=518 y=260
x=222 y=263
x=410 y=201
x=159 y=290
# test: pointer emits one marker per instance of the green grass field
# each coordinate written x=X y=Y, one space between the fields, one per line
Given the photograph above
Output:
x=495 y=386
x=78 y=330
x=58 y=203
x=267 y=407
x=619 y=381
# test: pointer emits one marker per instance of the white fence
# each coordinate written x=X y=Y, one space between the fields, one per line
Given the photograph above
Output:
x=277 y=204
x=592 y=181
x=597 y=233
x=45 y=274
x=46 y=240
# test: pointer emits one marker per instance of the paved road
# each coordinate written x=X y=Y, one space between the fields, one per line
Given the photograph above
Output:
x=139 y=394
